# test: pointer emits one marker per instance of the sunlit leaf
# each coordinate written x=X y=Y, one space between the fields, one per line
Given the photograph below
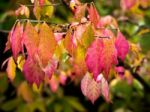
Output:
x=90 y=88
x=11 y=69
x=47 y=44
x=30 y=39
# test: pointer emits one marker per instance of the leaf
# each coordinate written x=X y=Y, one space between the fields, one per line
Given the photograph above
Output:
x=90 y=88
x=79 y=60
x=93 y=57
x=33 y=72
x=37 y=10
x=20 y=62
x=47 y=10
x=105 y=89
x=25 y=91
x=87 y=36
x=54 y=83
x=16 y=39
x=8 y=43
x=101 y=56
x=80 y=11
x=68 y=43
x=10 y=105
x=109 y=56
x=50 y=68
x=30 y=39
x=47 y=44
x=93 y=15
x=74 y=102
x=122 y=46
x=11 y=69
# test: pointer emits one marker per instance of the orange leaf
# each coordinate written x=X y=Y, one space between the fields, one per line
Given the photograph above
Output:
x=47 y=44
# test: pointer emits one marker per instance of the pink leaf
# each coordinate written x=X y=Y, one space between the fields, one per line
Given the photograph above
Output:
x=90 y=88
x=33 y=72
x=122 y=46
x=16 y=39
x=105 y=89
x=54 y=83
x=50 y=68
x=101 y=56
x=93 y=57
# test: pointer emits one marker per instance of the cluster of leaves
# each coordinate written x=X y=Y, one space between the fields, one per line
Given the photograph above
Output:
x=90 y=48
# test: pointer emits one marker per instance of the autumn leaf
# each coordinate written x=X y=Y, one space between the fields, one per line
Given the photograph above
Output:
x=8 y=43
x=80 y=11
x=30 y=39
x=93 y=57
x=104 y=86
x=33 y=72
x=11 y=69
x=68 y=43
x=79 y=60
x=109 y=56
x=25 y=92
x=101 y=56
x=93 y=15
x=88 y=36
x=47 y=44
x=16 y=39
x=90 y=88
x=122 y=46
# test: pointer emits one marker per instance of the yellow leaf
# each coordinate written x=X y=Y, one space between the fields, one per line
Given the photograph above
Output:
x=11 y=69
x=20 y=62
x=25 y=92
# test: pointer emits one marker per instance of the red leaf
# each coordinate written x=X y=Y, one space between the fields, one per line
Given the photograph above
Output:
x=93 y=57
x=16 y=39
x=101 y=56
x=33 y=72
x=47 y=44
x=90 y=88
x=93 y=15
x=122 y=46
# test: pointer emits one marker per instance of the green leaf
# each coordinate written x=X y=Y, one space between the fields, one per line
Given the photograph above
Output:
x=10 y=105
x=48 y=9
x=3 y=82
x=74 y=102
x=144 y=42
